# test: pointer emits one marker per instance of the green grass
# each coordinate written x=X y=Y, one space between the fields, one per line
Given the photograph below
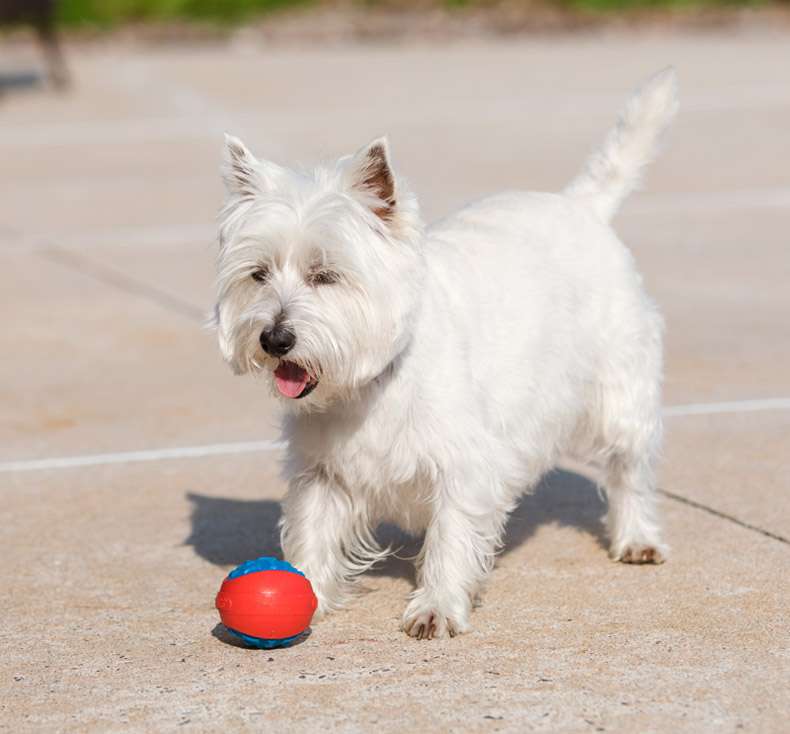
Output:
x=114 y=12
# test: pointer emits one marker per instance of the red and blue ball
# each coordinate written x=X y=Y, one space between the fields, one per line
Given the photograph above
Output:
x=266 y=602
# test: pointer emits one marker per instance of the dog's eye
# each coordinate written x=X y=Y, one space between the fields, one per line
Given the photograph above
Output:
x=322 y=277
x=260 y=275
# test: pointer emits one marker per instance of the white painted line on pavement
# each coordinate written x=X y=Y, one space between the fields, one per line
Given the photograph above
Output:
x=247 y=447
x=131 y=457
x=737 y=406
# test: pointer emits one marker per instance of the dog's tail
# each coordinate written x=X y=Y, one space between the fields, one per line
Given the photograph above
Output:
x=614 y=170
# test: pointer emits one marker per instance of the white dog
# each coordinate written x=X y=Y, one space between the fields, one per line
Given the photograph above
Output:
x=433 y=376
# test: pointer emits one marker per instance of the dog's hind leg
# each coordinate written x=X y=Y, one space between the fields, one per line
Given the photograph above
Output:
x=631 y=520
x=629 y=421
x=325 y=533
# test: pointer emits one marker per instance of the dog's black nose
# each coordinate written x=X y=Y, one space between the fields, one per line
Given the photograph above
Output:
x=278 y=340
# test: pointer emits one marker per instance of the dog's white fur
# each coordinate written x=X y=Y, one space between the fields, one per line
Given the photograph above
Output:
x=455 y=365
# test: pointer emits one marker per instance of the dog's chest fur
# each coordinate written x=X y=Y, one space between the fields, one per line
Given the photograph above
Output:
x=372 y=447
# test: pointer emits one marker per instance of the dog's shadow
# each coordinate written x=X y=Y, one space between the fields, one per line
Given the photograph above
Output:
x=228 y=532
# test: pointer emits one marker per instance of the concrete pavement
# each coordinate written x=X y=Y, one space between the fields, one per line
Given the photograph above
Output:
x=107 y=201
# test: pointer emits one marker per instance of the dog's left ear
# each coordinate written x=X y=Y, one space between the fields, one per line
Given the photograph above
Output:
x=371 y=175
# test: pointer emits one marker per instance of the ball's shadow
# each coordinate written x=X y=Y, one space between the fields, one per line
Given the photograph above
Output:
x=228 y=532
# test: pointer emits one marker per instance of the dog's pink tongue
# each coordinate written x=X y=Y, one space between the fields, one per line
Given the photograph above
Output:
x=291 y=379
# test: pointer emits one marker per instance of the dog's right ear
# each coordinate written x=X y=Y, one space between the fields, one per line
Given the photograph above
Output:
x=219 y=320
x=245 y=175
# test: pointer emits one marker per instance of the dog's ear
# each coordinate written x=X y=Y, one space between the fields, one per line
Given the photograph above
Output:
x=220 y=321
x=244 y=174
x=371 y=175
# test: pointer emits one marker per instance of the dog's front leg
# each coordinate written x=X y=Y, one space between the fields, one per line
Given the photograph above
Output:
x=326 y=535
x=456 y=556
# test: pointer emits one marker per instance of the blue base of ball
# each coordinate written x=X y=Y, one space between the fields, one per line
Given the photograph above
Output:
x=263 y=644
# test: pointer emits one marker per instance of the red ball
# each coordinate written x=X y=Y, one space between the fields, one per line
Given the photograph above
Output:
x=269 y=605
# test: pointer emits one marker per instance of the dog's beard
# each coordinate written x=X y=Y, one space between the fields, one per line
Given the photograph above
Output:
x=330 y=362
x=321 y=367
x=343 y=338
x=293 y=377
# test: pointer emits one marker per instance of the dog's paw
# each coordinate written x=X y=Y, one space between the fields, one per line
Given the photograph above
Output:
x=429 y=624
x=640 y=553
x=426 y=621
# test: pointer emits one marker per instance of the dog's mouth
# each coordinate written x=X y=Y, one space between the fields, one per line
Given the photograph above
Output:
x=293 y=381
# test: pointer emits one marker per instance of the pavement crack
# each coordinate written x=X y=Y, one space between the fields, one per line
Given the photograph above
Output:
x=109 y=276
x=723 y=515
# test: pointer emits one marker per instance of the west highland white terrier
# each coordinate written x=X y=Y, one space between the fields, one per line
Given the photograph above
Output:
x=432 y=376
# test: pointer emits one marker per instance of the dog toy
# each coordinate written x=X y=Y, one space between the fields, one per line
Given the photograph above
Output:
x=267 y=603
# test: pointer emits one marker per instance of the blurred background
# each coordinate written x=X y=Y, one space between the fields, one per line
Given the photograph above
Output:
x=370 y=19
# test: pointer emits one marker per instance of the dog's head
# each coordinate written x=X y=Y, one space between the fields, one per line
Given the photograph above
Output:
x=318 y=272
